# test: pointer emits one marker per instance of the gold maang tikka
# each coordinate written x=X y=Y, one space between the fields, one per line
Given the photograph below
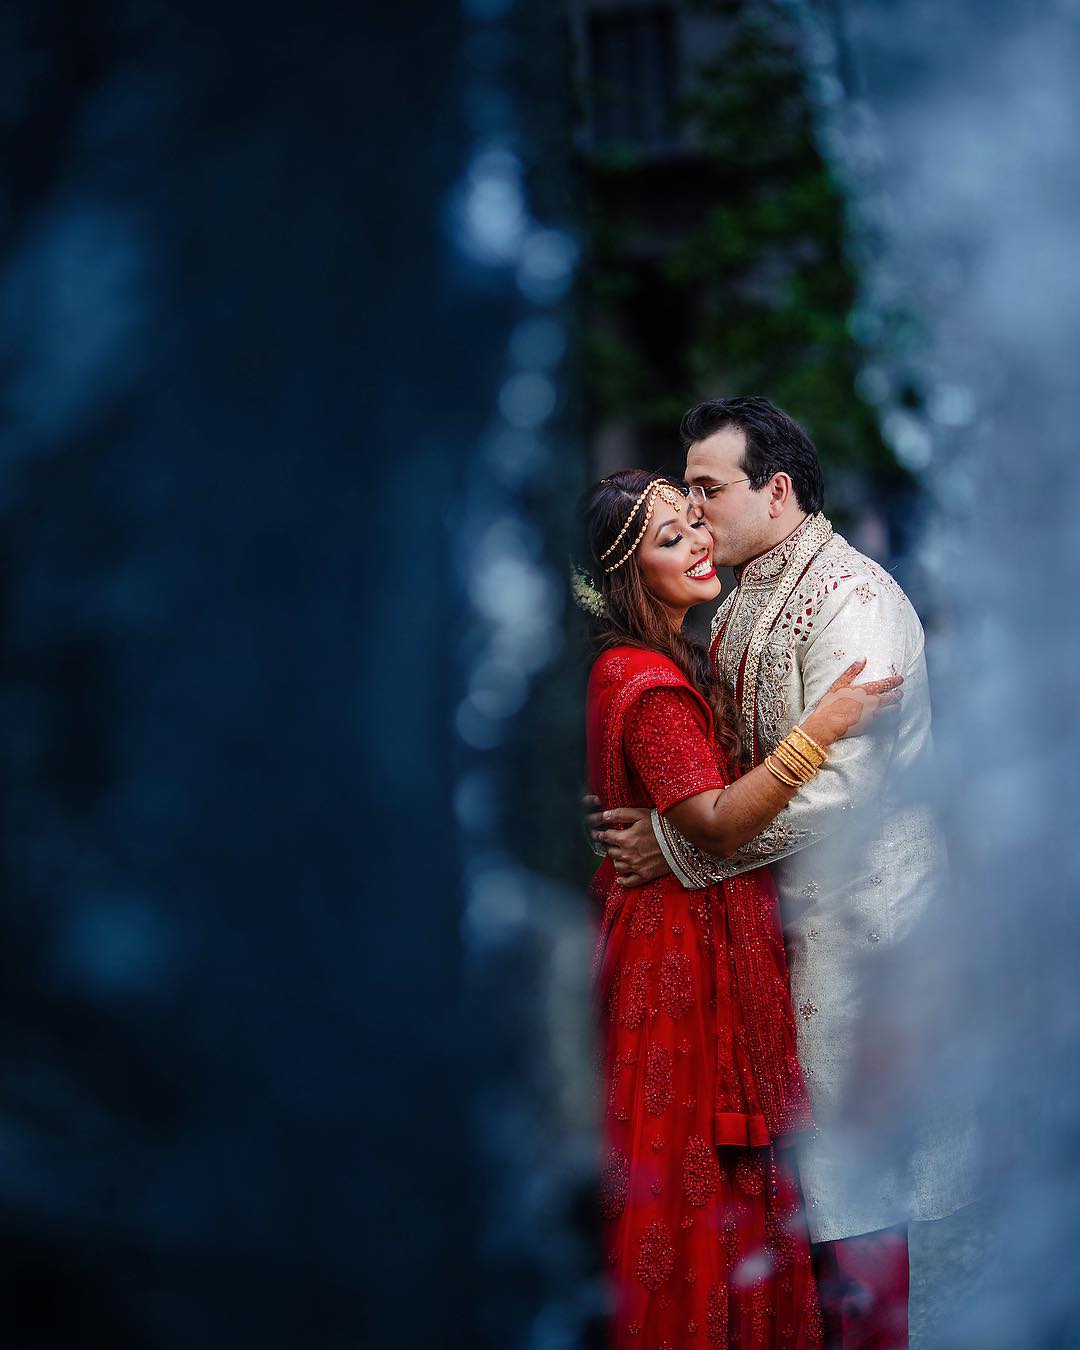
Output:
x=659 y=487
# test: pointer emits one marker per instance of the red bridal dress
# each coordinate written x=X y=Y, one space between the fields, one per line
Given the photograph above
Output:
x=705 y=1237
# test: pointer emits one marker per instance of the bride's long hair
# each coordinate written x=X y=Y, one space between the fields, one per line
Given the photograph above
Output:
x=633 y=616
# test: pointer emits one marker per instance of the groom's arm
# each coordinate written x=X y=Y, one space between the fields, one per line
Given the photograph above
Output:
x=871 y=620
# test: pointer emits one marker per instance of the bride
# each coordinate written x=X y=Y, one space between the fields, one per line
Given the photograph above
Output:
x=705 y=1238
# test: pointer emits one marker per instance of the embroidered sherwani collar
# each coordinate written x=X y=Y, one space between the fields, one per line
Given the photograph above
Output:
x=810 y=535
x=755 y=608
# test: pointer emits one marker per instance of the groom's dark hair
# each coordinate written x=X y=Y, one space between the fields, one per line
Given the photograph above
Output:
x=775 y=443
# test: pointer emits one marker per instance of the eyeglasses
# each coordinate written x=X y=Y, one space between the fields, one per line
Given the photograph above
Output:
x=699 y=494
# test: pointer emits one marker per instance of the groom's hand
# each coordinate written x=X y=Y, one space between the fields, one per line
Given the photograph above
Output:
x=628 y=840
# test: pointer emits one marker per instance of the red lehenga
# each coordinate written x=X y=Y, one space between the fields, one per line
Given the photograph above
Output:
x=704 y=1233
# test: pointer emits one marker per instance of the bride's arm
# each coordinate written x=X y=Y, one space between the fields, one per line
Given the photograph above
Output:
x=879 y=622
x=721 y=821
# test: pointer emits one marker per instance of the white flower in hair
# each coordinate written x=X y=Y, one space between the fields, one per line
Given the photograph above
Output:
x=585 y=594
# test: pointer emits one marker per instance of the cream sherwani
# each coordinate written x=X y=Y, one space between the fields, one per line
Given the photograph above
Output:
x=856 y=855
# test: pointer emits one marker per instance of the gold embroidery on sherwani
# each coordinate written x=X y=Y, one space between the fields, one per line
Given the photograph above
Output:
x=762 y=701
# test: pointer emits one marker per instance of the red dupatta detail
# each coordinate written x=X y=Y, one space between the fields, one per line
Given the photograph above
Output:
x=618 y=679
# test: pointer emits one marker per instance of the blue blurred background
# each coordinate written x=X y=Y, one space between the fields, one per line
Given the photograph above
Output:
x=314 y=322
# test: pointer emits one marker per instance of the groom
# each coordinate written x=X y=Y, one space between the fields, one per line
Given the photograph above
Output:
x=855 y=857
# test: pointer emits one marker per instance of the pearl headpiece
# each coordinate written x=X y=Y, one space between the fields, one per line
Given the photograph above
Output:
x=659 y=487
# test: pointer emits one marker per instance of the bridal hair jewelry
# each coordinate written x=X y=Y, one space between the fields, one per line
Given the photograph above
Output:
x=659 y=487
x=585 y=594
x=796 y=759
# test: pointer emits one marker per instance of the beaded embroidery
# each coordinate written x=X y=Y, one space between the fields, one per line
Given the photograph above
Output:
x=614 y=670
x=750 y=1176
x=716 y=1317
x=656 y=1257
x=661 y=676
x=701 y=1171
x=658 y=1080
x=633 y=1004
x=796 y=553
x=658 y=729
x=647 y=914
x=676 y=985
x=614 y=1184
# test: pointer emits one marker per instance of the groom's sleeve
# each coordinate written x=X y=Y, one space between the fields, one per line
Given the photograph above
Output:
x=872 y=619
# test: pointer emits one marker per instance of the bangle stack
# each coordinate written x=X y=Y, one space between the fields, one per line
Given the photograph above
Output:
x=796 y=759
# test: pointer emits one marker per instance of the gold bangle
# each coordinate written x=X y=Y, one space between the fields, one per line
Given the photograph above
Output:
x=782 y=778
x=809 y=745
x=797 y=752
x=794 y=762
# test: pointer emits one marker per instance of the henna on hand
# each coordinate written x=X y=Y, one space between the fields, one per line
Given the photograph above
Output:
x=845 y=705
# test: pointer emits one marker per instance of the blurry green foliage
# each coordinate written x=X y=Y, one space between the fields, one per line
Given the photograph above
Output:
x=722 y=270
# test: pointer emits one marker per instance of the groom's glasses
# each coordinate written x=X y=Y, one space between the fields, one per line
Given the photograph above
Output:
x=699 y=495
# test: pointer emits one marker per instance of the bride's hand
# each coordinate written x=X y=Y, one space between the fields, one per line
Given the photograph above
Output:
x=847 y=708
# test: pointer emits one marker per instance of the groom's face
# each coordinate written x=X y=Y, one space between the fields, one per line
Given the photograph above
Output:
x=738 y=517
